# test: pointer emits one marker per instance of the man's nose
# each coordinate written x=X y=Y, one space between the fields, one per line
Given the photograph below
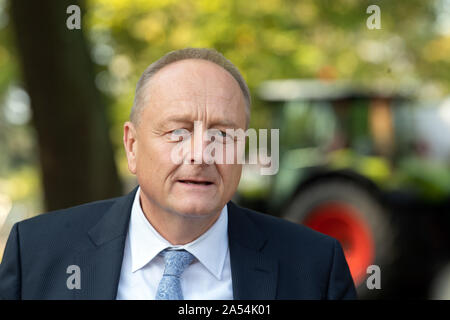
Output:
x=198 y=145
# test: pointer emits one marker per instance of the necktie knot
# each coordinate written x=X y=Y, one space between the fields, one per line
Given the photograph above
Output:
x=176 y=261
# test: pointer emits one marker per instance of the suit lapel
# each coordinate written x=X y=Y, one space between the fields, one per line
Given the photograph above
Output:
x=100 y=260
x=254 y=273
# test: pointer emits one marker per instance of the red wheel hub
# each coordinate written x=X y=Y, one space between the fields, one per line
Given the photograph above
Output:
x=344 y=223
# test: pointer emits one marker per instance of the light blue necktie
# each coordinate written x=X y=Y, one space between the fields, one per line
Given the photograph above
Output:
x=169 y=287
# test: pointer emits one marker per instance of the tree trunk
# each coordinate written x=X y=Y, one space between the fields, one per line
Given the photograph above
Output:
x=75 y=152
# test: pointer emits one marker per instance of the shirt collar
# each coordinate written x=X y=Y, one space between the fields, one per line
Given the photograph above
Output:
x=146 y=243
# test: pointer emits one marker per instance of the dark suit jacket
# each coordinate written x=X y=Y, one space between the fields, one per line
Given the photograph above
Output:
x=270 y=258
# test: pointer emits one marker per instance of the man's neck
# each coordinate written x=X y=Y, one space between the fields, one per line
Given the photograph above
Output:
x=176 y=228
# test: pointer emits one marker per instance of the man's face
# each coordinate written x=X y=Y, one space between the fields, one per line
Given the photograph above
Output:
x=178 y=95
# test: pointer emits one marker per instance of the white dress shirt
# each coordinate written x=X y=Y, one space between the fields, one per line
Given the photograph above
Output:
x=208 y=277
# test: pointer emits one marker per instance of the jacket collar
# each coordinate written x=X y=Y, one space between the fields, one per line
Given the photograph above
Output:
x=114 y=222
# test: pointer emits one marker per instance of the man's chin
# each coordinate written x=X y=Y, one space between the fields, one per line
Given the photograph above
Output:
x=198 y=210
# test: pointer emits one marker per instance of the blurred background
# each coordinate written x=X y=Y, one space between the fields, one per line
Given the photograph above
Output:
x=364 y=116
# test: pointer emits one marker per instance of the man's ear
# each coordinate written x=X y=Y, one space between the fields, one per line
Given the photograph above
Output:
x=130 y=144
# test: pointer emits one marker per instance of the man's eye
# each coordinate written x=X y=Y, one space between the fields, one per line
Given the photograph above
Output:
x=180 y=131
x=222 y=133
x=179 y=134
x=220 y=136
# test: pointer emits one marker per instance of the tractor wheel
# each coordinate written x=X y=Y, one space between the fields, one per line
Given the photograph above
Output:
x=349 y=213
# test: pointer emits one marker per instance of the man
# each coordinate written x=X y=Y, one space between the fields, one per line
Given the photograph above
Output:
x=178 y=235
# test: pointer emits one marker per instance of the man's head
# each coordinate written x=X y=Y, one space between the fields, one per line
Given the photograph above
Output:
x=183 y=87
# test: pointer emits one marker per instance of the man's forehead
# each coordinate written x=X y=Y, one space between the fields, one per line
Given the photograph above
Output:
x=185 y=98
x=185 y=112
x=192 y=73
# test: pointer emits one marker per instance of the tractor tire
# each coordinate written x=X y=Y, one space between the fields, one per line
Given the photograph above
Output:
x=348 y=212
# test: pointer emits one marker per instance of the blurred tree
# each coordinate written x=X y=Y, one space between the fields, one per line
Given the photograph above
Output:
x=76 y=156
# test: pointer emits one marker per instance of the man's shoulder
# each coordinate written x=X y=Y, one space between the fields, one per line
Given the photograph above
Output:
x=310 y=264
x=281 y=233
x=73 y=219
x=272 y=225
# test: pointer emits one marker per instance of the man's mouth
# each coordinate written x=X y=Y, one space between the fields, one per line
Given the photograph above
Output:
x=196 y=182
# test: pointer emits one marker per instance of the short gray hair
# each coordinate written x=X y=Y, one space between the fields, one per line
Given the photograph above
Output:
x=183 y=54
